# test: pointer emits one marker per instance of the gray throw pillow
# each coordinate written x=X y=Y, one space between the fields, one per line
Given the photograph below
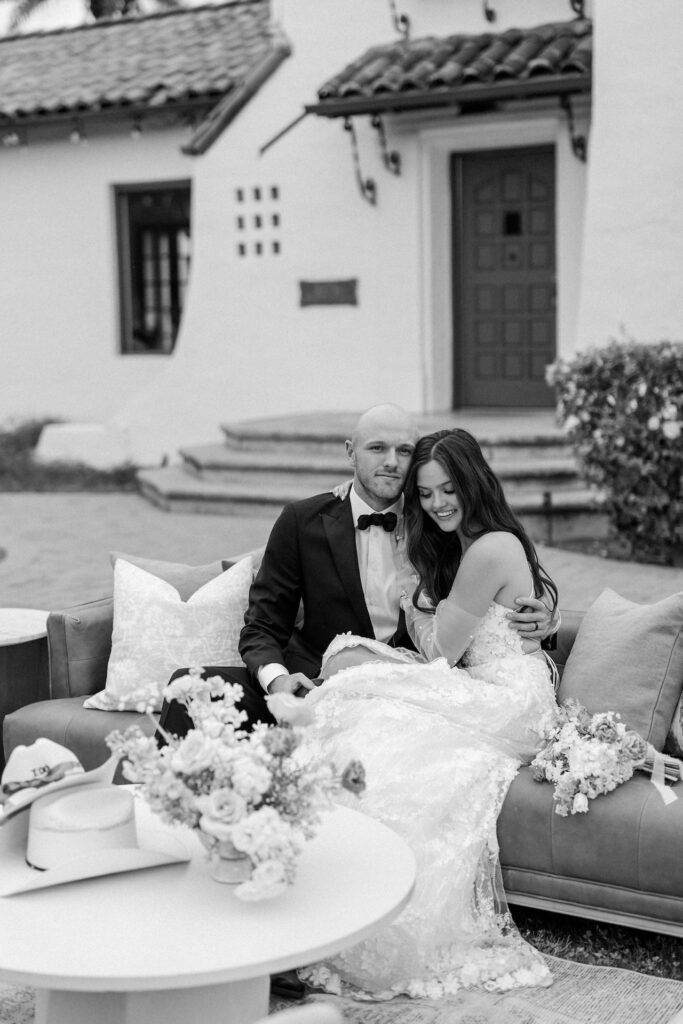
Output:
x=629 y=658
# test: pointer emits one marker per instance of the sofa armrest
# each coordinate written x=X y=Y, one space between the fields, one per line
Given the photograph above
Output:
x=79 y=645
x=566 y=635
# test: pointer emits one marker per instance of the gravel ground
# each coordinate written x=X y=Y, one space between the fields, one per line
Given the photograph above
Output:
x=56 y=550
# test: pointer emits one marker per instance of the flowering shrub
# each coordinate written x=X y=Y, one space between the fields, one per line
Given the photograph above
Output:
x=585 y=755
x=622 y=407
x=255 y=792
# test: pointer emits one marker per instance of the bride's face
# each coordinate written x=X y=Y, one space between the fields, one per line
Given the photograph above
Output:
x=438 y=497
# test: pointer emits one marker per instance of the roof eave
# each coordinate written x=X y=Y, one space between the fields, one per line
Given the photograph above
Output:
x=227 y=109
x=551 y=85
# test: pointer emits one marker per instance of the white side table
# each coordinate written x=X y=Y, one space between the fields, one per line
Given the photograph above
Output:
x=24 y=674
x=170 y=945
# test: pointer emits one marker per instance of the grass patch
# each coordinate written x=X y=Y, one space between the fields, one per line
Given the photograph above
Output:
x=19 y=471
x=602 y=945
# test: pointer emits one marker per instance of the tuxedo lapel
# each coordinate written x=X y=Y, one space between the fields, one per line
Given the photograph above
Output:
x=341 y=536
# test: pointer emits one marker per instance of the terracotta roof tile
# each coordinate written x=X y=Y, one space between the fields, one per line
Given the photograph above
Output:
x=139 y=61
x=433 y=65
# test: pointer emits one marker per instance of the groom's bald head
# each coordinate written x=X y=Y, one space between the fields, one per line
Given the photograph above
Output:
x=380 y=451
x=385 y=417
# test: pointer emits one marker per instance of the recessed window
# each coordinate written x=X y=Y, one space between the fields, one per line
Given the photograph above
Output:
x=512 y=222
x=153 y=230
x=258 y=221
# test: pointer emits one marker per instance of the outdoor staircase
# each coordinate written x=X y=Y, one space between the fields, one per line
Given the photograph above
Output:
x=269 y=462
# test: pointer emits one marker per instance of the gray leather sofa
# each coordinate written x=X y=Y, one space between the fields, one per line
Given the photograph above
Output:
x=621 y=862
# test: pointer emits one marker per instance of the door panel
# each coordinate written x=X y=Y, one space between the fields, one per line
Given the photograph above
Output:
x=504 y=276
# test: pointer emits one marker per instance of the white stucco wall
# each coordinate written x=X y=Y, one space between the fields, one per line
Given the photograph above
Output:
x=633 y=257
x=246 y=347
x=59 y=322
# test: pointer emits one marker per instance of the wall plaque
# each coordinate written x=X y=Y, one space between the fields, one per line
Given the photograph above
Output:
x=329 y=293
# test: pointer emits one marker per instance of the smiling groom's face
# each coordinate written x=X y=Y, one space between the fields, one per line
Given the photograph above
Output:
x=380 y=453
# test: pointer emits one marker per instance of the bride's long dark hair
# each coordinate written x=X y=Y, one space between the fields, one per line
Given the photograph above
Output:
x=436 y=554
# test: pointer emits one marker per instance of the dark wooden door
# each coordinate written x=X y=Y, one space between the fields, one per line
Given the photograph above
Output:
x=503 y=276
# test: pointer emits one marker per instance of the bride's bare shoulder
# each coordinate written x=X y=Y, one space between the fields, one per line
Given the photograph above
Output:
x=497 y=543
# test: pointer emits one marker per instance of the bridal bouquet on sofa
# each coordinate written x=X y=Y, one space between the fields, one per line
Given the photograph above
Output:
x=585 y=755
x=252 y=797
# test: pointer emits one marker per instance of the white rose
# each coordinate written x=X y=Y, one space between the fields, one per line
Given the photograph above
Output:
x=571 y=423
x=653 y=423
x=263 y=834
x=249 y=778
x=194 y=753
x=671 y=430
x=220 y=810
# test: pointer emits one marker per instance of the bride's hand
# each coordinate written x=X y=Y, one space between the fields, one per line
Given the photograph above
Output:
x=287 y=708
x=341 y=490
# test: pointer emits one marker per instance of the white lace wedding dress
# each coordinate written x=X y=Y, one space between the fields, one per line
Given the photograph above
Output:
x=440 y=747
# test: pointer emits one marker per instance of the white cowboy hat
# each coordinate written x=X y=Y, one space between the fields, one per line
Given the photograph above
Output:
x=43 y=767
x=79 y=826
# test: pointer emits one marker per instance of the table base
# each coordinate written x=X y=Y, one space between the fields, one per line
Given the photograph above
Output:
x=238 y=1002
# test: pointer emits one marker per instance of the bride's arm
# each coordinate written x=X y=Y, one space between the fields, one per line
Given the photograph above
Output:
x=448 y=631
x=445 y=633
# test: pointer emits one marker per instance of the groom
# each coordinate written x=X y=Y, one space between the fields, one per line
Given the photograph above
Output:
x=340 y=558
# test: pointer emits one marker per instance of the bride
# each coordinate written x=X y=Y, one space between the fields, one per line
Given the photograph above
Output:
x=442 y=733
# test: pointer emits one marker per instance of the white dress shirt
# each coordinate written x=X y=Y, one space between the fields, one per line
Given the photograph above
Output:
x=378 y=560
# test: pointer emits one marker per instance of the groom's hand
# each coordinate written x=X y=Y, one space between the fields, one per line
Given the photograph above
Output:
x=533 y=619
x=297 y=684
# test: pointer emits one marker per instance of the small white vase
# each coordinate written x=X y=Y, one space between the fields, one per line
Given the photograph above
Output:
x=229 y=865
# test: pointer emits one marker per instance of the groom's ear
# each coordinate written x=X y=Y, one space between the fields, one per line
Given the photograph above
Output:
x=350 y=453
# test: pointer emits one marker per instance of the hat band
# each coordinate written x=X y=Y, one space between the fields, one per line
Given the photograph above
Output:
x=53 y=774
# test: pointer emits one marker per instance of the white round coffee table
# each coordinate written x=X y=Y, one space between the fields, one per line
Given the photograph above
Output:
x=170 y=945
x=21 y=625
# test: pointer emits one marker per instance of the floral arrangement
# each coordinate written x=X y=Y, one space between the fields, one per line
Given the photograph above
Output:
x=252 y=795
x=586 y=755
x=622 y=407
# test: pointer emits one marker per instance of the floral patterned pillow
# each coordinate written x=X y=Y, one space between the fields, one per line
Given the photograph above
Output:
x=155 y=632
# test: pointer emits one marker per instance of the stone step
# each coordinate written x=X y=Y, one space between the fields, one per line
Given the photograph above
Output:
x=222 y=463
x=173 y=489
x=525 y=434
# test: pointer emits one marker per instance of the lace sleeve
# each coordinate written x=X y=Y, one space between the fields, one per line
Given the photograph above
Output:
x=444 y=633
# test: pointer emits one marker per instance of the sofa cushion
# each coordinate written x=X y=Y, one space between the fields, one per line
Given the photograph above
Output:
x=185 y=578
x=622 y=856
x=629 y=658
x=66 y=721
x=155 y=632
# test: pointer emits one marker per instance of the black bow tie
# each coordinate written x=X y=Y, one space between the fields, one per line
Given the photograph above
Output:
x=387 y=520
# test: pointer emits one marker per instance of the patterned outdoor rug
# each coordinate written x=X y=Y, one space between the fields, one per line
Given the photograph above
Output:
x=579 y=995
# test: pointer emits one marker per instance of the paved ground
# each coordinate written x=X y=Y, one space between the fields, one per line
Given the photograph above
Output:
x=57 y=550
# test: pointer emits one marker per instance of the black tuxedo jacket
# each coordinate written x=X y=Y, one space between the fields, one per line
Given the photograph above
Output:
x=311 y=557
